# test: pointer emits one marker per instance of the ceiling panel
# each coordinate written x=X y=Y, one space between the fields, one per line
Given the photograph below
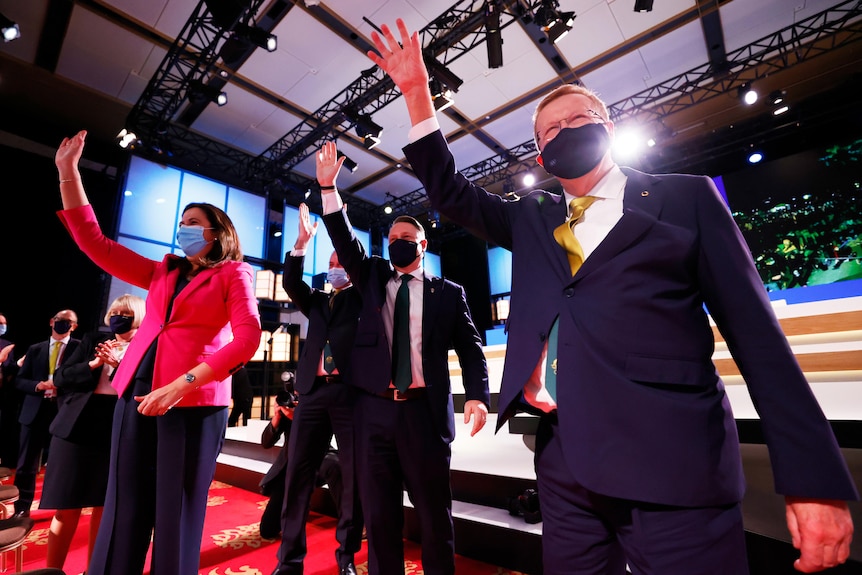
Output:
x=114 y=48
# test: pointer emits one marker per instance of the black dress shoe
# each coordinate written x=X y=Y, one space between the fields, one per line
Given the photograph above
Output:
x=349 y=569
x=22 y=513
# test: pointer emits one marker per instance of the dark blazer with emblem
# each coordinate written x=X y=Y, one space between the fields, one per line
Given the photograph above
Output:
x=35 y=370
x=337 y=324
x=446 y=323
x=642 y=412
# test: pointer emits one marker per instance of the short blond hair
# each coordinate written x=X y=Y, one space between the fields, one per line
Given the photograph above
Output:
x=561 y=91
x=135 y=304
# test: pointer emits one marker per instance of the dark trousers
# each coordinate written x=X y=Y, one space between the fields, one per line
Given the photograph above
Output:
x=397 y=446
x=33 y=440
x=327 y=409
x=161 y=470
x=589 y=533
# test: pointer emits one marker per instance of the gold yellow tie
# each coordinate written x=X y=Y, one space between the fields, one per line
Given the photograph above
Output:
x=52 y=357
x=565 y=232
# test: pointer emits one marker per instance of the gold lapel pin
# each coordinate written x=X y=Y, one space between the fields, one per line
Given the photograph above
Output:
x=644 y=194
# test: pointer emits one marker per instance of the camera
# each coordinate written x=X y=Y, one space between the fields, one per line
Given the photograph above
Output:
x=287 y=398
x=526 y=505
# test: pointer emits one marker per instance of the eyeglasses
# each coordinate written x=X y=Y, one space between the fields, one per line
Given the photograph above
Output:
x=554 y=129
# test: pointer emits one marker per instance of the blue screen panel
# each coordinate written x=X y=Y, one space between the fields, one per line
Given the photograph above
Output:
x=150 y=199
x=249 y=214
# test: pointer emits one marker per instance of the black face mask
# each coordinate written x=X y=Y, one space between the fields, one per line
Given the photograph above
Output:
x=402 y=253
x=121 y=324
x=62 y=326
x=576 y=151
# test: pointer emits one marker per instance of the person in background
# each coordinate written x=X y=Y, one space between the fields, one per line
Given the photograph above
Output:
x=173 y=385
x=242 y=396
x=76 y=475
x=273 y=483
x=35 y=380
x=637 y=454
x=323 y=377
x=8 y=395
x=405 y=417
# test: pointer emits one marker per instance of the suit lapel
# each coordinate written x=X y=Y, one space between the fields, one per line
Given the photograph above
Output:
x=554 y=215
x=433 y=291
x=642 y=205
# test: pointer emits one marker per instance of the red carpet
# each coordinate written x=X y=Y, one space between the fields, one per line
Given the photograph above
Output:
x=232 y=544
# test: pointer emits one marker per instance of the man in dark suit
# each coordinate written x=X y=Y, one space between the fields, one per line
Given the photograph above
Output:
x=35 y=381
x=403 y=436
x=8 y=397
x=325 y=406
x=637 y=455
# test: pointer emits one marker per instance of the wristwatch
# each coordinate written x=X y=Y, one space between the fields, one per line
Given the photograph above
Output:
x=190 y=378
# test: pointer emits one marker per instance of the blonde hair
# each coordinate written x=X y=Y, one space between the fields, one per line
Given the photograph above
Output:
x=133 y=303
x=561 y=91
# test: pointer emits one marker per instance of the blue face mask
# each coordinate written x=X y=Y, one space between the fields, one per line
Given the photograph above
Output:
x=337 y=277
x=191 y=239
x=2 y=329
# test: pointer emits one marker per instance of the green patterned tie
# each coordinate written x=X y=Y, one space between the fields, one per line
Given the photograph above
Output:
x=401 y=372
x=565 y=236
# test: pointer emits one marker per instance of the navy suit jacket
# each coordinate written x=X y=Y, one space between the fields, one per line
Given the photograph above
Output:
x=338 y=324
x=446 y=323
x=35 y=370
x=642 y=412
x=75 y=383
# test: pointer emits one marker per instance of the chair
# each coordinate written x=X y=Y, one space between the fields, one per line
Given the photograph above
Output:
x=8 y=495
x=5 y=473
x=13 y=533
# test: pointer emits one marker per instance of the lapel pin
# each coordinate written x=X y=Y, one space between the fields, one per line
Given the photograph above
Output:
x=644 y=194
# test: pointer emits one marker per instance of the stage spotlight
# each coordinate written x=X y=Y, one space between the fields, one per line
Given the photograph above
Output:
x=9 y=29
x=776 y=97
x=437 y=70
x=257 y=36
x=368 y=131
x=643 y=5
x=387 y=204
x=440 y=95
x=493 y=36
x=747 y=94
x=755 y=157
x=558 y=30
x=198 y=91
x=127 y=139
x=348 y=163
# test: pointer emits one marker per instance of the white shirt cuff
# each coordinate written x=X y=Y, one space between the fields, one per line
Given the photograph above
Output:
x=422 y=129
x=331 y=202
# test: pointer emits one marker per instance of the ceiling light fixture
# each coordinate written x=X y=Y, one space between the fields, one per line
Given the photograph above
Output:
x=558 y=30
x=643 y=5
x=493 y=35
x=387 y=204
x=348 y=163
x=127 y=139
x=368 y=131
x=198 y=91
x=440 y=95
x=747 y=94
x=9 y=29
x=443 y=74
x=257 y=36
x=556 y=24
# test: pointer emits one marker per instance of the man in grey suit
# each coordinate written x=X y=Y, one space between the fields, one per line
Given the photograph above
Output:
x=637 y=454
x=403 y=434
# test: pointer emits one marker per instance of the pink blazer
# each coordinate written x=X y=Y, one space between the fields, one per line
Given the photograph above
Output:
x=214 y=320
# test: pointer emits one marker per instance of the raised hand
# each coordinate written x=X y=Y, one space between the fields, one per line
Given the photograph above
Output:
x=328 y=164
x=404 y=63
x=306 y=228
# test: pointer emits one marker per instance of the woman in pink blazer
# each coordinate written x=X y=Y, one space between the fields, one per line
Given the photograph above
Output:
x=202 y=324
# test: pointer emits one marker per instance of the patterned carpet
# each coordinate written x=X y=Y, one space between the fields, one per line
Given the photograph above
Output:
x=232 y=544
